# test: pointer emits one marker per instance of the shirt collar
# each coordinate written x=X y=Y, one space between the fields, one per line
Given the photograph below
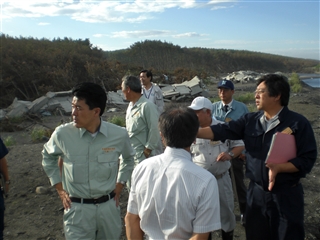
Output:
x=137 y=102
x=229 y=104
x=177 y=153
x=102 y=128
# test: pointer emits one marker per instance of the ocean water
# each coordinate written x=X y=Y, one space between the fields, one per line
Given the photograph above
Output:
x=312 y=82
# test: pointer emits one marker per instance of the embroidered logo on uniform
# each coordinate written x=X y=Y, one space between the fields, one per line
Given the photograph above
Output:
x=137 y=114
x=108 y=149
x=228 y=120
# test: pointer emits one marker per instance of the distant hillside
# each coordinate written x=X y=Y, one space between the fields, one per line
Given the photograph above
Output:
x=31 y=67
x=166 y=57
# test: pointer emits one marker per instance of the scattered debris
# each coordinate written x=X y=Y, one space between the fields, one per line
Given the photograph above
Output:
x=59 y=103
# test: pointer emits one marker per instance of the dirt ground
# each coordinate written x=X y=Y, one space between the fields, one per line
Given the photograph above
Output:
x=32 y=215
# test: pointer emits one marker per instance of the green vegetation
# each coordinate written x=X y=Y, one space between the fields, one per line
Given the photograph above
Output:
x=38 y=134
x=118 y=120
x=9 y=141
x=31 y=67
x=295 y=83
x=245 y=98
x=215 y=99
x=16 y=120
x=251 y=107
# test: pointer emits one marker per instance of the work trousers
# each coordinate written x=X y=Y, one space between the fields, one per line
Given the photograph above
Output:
x=227 y=217
x=238 y=171
x=92 y=221
x=276 y=215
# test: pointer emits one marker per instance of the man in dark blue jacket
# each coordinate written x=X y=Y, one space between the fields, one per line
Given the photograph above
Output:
x=275 y=195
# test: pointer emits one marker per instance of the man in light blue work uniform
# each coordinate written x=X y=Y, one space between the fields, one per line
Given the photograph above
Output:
x=141 y=120
x=91 y=179
x=226 y=110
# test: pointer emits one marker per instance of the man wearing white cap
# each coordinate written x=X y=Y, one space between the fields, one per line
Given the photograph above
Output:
x=215 y=156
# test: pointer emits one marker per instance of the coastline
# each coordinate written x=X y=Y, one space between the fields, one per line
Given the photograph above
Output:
x=312 y=82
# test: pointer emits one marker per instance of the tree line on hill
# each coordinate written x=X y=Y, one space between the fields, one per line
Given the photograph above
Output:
x=31 y=67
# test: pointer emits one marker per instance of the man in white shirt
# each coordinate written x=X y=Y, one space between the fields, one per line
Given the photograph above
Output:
x=171 y=197
x=150 y=90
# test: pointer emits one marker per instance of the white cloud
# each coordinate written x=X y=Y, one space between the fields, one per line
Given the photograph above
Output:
x=43 y=23
x=97 y=11
x=140 y=34
x=218 y=7
x=99 y=35
x=151 y=33
x=187 y=35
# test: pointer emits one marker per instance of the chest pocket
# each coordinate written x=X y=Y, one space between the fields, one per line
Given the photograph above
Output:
x=132 y=123
x=253 y=140
x=107 y=166
x=76 y=169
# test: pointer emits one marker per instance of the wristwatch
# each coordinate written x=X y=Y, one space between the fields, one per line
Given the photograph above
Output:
x=231 y=154
x=123 y=183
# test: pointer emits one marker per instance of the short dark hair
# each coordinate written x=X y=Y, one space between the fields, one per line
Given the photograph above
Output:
x=148 y=73
x=179 y=127
x=277 y=85
x=132 y=82
x=92 y=93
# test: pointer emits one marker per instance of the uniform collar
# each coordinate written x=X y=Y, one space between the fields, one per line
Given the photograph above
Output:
x=102 y=129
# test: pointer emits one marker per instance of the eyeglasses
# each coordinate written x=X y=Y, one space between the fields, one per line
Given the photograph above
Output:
x=259 y=91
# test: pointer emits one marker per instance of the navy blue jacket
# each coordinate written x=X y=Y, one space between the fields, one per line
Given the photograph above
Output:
x=3 y=149
x=257 y=144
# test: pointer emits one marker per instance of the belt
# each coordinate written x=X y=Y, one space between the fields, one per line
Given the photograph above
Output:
x=102 y=199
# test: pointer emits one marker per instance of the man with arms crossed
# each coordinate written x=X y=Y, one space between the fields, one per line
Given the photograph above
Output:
x=151 y=91
x=91 y=179
x=226 y=110
x=275 y=195
x=215 y=156
x=171 y=197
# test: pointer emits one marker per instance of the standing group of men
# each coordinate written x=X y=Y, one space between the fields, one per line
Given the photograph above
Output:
x=170 y=196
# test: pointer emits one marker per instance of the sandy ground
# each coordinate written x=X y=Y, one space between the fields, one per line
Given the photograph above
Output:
x=30 y=215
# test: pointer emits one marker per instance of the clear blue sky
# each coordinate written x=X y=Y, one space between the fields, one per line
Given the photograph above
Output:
x=288 y=28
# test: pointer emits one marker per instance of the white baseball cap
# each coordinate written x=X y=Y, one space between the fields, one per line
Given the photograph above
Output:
x=200 y=103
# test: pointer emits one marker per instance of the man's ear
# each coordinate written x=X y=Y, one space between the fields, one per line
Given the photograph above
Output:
x=162 y=139
x=277 y=98
x=97 y=111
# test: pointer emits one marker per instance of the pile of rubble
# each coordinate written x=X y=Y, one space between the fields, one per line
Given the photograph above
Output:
x=243 y=76
x=175 y=92
x=52 y=102
x=60 y=102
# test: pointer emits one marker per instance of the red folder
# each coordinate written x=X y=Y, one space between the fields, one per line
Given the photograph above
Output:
x=282 y=149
